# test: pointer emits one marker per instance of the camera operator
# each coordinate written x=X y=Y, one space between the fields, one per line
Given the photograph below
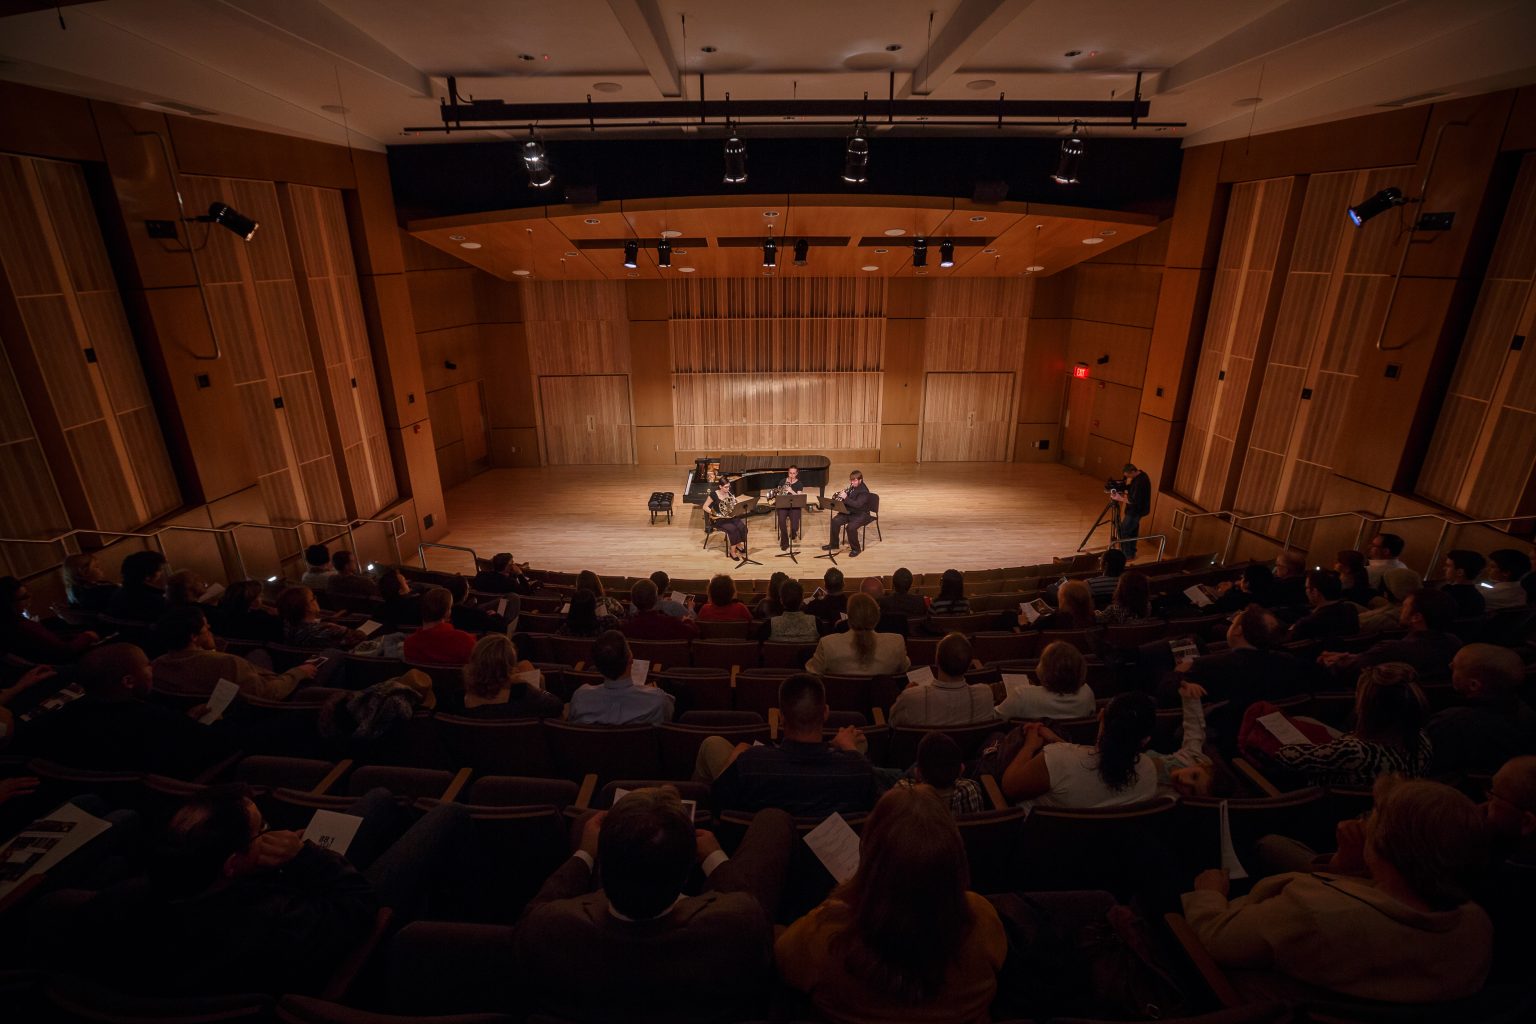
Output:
x=1135 y=499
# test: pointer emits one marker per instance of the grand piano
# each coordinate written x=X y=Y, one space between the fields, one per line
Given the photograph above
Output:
x=751 y=475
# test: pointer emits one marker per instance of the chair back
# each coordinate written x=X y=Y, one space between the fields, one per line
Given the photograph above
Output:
x=990 y=646
x=361 y=671
x=526 y=844
x=678 y=743
x=1087 y=849
x=778 y=654
x=295 y=1009
x=1302 y=815
x=667 y=653
x=498 y=747
x=270 y=772
x=608 y=751
x=991 y=846
x=904 y=740
x=725 y=630
x=922 y=650
x=402 y=781
x=77 y=998
x=570 y=650
x=447 y=680
x=697 y=689
x=1128 y=638
x=517 y=791
x=725 y=654
x=540 y=621
x=759 y=691
x=847 y=693
x=285 y=657
x=975 y=622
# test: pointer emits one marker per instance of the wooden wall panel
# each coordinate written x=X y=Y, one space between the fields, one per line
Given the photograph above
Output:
x=33 y=507
x=806 y=411
x=967 y=417
x=811 y=297
x=587 y=420
x=777 y=345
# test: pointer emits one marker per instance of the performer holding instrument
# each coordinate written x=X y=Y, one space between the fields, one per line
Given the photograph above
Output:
x=856 y=500
x=720 y=503
x=788 y=518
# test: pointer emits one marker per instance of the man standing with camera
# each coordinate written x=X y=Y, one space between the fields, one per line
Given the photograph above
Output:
x=1135 y=500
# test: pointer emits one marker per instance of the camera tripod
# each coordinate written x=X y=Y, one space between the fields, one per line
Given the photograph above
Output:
x=1109 y=515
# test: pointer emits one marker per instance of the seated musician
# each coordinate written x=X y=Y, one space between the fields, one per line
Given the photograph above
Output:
x=855 y=499
x=720 y=503
x=788 y=518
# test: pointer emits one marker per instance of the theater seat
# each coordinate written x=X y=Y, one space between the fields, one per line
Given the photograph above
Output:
x=609 y=751
x=307 y=1010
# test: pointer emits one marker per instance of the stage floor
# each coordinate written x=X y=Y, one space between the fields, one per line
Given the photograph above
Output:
x=935 y=516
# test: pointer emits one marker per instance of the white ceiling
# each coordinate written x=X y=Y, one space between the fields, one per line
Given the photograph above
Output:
x=274 y=64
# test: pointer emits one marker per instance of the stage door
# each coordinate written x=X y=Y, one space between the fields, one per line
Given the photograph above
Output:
x=967 y=417
x=587 y=421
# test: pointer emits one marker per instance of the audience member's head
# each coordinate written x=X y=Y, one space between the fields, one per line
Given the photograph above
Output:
x=722 y=590
x=184 y=628
x=1511 y=807
x=1428 y=611
x=1323 y=585
x=610 y=654
x=1486 y=672
x=1075 y=600
x=317 y=557
x=863 y=617
x=643 y=595
x=1385 y=545
x=803 y=706
x=296 y=604
x=647 y=848
x=1289 y=563
x=905 y=907
x=491 y=666
x=1463 y=566
x=1428 y=837
x=436 y=605
x=1125 y=730
x=939 y=761
x=81 y=570
x=15 y=597
x=392 y=583
x=1508 y=564
x=1258 y=580
x=1256 y=627
x=952 y=586
x=901 y=581
x=872 y=586
x=184 y=587
x=343 y=562
x=210 y=840
x=501 y=562
x=589 y=580
x=1113 y=562
x=791 y=593
x=1134 y=593
x=662 y=581
x=1389 y=706
x=115 y=672
x=240 y=597
x=775 y=602
x=1351 y=565
x=832 y=580
x=582 y=618
x=1062 y=668
x=953 y=656
x=144 y=568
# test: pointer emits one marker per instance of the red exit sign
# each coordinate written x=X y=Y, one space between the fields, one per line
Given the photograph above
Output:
x=1080 y=371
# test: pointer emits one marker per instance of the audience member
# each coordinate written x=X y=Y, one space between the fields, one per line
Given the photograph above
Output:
x=1510 y=811
x=241 y=614
x=1354 y=578
x=1102 y=586
x=951 y=599
x=1290 y=586
x=1329 y=615
x=722 y=605
x=1462 y=568
x=589 y=581
x=939 y=764
x=583 y=619
x=1131 y=603
x=318 y=572
x=1408 y=933
x=23 y=637
x=1428 y=615
x=304 y=626
x=831 y=603
x=1495 y=724
x=184 y=589
x=1251 y=669
x=904 y=938
x=1063 y=691
x=192 y=665
x=85 y=585
x=663 y=955
x=950 y=699
x=804 y=774
x=1049 y=772
x=1074 y=609
x=499 y=685
x=874 y=586
x=504 y=576
x=1388 y=734
x=348 y=579
x=861 y=651
x=1189 y=770
x=901 y=600
x=793 y=626
x=437 y=642
x=399 y=605
x=1382 y=554
x=1256 y=585
x=1502 y=587
x=666 y=602
x=648 y=623
x=1386 y=612
x=141 y=598
x=769 y=606
x=618 y=700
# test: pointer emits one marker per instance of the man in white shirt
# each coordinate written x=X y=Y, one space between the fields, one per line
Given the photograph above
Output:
x=317 y=577
x=1501 y=586
x=949 y=699
x=618 y=699
x=1383 y=554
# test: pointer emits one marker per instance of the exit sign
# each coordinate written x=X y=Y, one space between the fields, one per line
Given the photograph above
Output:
x=1080 y=371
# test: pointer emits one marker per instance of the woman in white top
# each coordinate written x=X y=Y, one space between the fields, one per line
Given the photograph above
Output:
x=1049 y=772
x=860 y=651
x=1063 y=691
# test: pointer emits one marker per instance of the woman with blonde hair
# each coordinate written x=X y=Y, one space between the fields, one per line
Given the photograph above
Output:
x=498 y=685
x=85 y=585
x=1074 y=608
x=904 y=938
x=860 y=651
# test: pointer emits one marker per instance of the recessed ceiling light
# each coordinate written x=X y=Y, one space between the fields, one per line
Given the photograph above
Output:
x=1035 y=269
x=591 y=220
x=522 y=273
x=526 y=57
x=669 y=233
x=573 y=254
x=770 y=213
x=989 y=252
x=1095 y=240
x=607 y=86
x=871 y=268
x=980 y=83
x=709 y=49
x=685 y=270
x=455 y=238
x=1073 y=53
x=892 y=47
x=978 y=218
x=893 y=232
x=881 y=252
x=469 y=245
x=1108 y=232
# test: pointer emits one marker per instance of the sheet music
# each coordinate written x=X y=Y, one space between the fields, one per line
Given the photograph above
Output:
x=1229 y=861
x=836 y=845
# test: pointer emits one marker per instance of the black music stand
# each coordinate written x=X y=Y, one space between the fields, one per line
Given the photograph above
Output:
x=837 y=507
x=790 y=501
x=743 y=509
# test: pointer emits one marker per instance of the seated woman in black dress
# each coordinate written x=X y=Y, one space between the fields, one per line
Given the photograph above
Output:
x=721 y=503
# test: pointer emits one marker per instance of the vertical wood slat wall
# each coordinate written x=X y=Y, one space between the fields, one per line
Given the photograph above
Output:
x=333 y=311
x=76 y=363
x=1250 y=250
x=1482 y=457
x=974 y=337
x=1334 y=302
x=579 y=355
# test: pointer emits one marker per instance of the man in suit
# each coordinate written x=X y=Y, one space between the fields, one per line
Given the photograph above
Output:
x=856 y=498
x=789 y=518
x=659 y=954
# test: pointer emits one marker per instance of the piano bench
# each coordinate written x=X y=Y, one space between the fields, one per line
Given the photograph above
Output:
x=660 y=501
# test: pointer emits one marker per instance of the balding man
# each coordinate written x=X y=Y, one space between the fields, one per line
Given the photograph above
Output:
x=1495 y=724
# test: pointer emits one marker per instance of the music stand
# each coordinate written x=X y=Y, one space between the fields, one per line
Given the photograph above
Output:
x=837 y=507
x=743 y=509
x=790 y=501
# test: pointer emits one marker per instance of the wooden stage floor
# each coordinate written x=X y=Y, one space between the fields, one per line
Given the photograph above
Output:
x=936 y=516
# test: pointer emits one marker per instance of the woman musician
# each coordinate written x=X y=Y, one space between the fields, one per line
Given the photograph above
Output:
x=722 y=503
x=788 y=518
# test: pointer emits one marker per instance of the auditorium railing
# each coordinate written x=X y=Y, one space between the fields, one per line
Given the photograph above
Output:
x=421 y=553
x=1161 y=538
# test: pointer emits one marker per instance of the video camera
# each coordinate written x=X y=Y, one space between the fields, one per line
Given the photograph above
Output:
x=1114 y=485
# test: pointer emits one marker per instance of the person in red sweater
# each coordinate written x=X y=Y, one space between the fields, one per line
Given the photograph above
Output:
x=437 y=642
x=722 y=605
x=650 y=624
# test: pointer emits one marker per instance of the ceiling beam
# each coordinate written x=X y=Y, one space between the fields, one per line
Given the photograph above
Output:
x=642 y=22
x=312 y=24
x=971 y=27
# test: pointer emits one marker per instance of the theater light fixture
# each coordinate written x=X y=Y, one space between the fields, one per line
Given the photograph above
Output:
x=227 y=217
x=664 y=252
x=856 y=155
x=770 y=253
x=536 y=160
x=631 y=254
x=1071 y=157
x=1379 y=203
x=919 y=252
x=735 y=158
x=802 y=251
x=946 y=253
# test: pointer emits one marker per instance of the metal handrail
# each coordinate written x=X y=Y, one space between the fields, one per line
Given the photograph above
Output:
x=421 y=551
x=1161 y=538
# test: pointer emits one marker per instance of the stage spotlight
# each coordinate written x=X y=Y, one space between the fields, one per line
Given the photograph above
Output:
x=735 y=159
x=856 y=156
x=536 y=161
x=631 y=254
x=1381 y=202
x=802 y=250
x=226 y=216
x=1072 y=150
x=770 y=253
x=664 y=253
x=920 y=252
x=946 y=253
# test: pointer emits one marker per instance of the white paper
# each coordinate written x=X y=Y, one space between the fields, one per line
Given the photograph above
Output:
x=691 y=806
x=46 y=842
x=1033 y=610
x=638 y=670
x=1229 y=861
x=565 y=609
x=501 y=607
x=836 y=845
x=1196 y=594
x=370 y=627
x=842 y=616
x=921 y=675
x=212 y=594
x=1013 y=680
x=1184 y=648
x=332 y=830
x=218 y=701
x=1281 y=728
